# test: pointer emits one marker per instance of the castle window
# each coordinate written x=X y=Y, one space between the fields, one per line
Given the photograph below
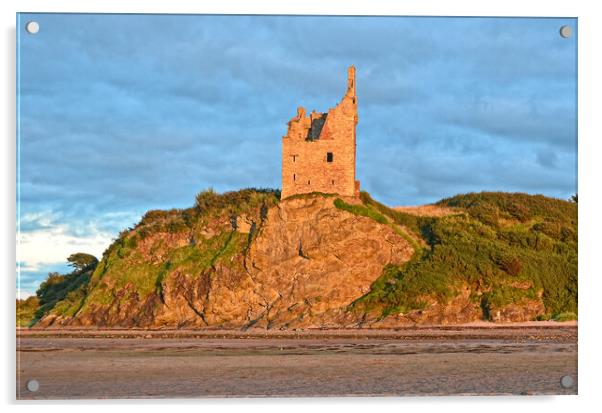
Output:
x=329 y=157
x=308 y=182
x=294 y=177
x=333 y=181
x=294 y=157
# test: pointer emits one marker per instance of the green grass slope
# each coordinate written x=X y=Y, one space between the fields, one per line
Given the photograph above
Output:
x=496 y=242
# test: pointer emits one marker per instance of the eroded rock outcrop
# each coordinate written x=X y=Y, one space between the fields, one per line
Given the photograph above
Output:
x=302 y=265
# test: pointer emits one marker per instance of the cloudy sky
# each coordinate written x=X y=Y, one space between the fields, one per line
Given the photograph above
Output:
x=119 y=114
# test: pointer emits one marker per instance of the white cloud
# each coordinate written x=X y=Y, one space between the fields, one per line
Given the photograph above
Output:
x=52 y=242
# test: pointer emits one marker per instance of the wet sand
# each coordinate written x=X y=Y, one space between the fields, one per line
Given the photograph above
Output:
x=529 y=359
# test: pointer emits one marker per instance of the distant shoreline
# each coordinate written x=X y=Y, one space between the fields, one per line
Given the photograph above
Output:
x=475 y=330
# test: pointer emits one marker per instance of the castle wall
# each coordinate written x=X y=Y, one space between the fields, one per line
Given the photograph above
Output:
x=305 y=149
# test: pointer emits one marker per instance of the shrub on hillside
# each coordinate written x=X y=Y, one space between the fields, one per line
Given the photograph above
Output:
x=235 y=201
x=57 y=286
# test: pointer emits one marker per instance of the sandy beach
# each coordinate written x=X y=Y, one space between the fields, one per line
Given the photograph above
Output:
x=481 y=358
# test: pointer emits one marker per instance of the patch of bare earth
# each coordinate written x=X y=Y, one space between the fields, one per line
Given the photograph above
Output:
x=428 y=210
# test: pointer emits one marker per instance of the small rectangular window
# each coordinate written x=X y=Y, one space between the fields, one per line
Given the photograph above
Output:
x=294 y=177
x=329 y=156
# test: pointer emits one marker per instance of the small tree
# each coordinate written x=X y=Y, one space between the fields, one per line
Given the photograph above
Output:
x=573 y=198
x=82 y=261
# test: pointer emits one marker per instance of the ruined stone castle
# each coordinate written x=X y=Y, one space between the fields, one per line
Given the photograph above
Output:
x=318 y=151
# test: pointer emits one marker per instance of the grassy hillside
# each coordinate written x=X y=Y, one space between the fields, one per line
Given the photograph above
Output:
x=506 y=248
x=496 y=244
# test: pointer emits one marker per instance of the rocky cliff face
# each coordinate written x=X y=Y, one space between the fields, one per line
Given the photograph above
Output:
x=301 y=264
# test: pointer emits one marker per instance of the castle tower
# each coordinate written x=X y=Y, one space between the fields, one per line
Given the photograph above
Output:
x=318 y=151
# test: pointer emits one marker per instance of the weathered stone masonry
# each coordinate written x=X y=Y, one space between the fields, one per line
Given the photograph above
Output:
x=318 y=151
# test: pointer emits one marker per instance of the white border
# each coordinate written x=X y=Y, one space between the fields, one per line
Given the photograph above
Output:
x=590 y=231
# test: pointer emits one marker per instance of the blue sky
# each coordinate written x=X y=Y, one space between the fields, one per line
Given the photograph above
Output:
x=120 y=114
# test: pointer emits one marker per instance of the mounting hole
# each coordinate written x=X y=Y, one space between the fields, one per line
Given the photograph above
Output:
x=567 y=382
x=33 y=385
x=32 y=27
x=566 y=31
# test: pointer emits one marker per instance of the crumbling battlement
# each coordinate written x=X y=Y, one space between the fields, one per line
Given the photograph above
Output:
x=318 y=151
